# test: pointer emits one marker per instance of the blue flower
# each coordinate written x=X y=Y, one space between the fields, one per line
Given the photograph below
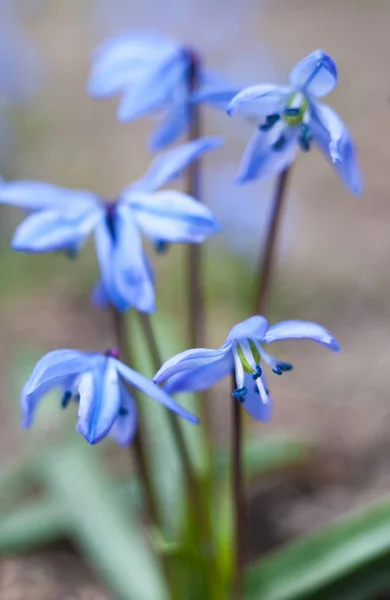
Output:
x=152 y=73
x=242 y=351
x=289 y=118
x=99 y=383
x=62 y=219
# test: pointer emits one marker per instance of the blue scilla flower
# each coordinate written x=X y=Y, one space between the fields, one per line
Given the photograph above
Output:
x=242 y=351
x=151 y=72
x=99 y=383
x=289 y=118
x=62 y=219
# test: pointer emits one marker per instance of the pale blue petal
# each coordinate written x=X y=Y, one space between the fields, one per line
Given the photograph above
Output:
x=47 y=231
x=29 y=402
x=125 y=273
x=173 y=216
x=151 y=389
x=301 y=330
x=258 y=101
x=261 y=161
x=315 y=74
x=252 y=328
x=99 y=295
x=122 y=60
x=201 y=378
x=155 y=89
x=56 y=365
x=125 y=425
x=335 y=142
x=171 y=164
x=100 y=401
x=174 y=124
x=217 y=96
x=257 y=403
x=191 y=360
x=37 y=195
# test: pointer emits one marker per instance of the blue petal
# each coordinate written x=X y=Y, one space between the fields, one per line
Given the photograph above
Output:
x=258 y=101
x=257 y=403
x=201 y=378
x=123 y=59
x=190 y=360
x=151 y=389
x=125 y=273
x=29 y=402
x=125 y=425
x=100 y=400
x=172 y=216
x=261 y=161
x=174 y=124
x=46 y=231
x=301 y=330
x=171 y=164
x=217 y=96
x=334 y=140
x=155 y=89
x=58 y=364
x=252 y=328
x=315 y=74
x=36 y=195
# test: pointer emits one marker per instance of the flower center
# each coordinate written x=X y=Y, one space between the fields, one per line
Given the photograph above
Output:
x=112 y=353
x=295 y=109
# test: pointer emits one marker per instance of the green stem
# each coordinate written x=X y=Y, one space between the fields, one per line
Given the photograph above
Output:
x=267 y=261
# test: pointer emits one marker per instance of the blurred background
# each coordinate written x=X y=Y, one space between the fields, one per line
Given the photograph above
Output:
x=333 y=264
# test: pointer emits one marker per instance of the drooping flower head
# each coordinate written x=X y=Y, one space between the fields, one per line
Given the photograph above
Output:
x=243 y=351
x=151 y=73
x=289 y=118
x=99 y=383
x=62 y=219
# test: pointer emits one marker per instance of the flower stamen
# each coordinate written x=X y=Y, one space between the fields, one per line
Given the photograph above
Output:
x=240 y=393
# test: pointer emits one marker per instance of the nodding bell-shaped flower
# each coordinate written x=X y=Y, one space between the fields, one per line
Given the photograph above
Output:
x=243 y=352
x=151 y=73
x=99 y=383
x=62 y=219
x=289 y=118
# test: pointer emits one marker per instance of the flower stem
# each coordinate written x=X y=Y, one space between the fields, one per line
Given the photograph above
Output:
x=195 y=257
x=266 y=264
x=138 y=445
x=238 y=495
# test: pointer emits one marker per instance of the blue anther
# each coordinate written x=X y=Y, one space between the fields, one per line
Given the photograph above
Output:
x=161 y=246
x=292 y=112
x=258 y=372
x=66 y=398
x=279 y=144
x=285 y=367
x=269 y=122
x=277 y=371
x=240 y=394
x=305 y=137
x=123 y=411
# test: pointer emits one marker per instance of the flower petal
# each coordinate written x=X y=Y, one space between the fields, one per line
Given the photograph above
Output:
x=252 y=328
x=174 y=124
x=257 y=402
x=261 y=161
x=37 y=195
x=47 y=231
x=156 y=87
x=126 y=423
x=315 y=74
x=123 y=59
x=58 y=364
x=173 y=216
x=334 y=140
x=190 y=360
x=125 y=273
x=151 y=389
x=100 y=401
x=301 y=330
x=29 y=402
x=171 y=165
x=217 y=96
x=258 y=101
x=202 y=378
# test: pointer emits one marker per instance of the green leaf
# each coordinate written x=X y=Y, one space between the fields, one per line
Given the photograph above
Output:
x=110 y=536
x=306 y=567
x=264 y=455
